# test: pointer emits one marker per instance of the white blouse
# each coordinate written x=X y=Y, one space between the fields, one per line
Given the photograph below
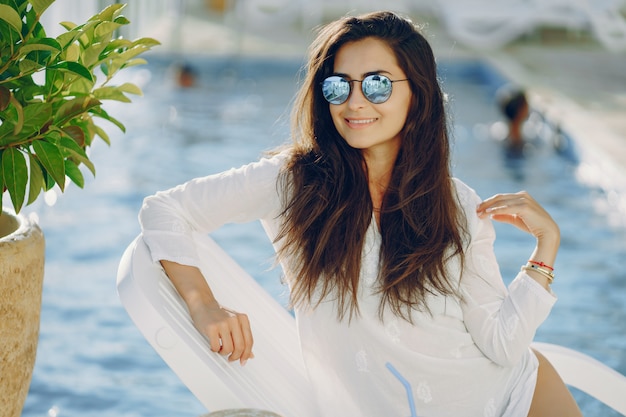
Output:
x=468 y=357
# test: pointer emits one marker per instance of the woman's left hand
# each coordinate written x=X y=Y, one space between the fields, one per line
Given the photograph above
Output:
x=523 y=212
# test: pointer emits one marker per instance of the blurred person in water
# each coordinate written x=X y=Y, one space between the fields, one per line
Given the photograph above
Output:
x=513 y=105
x=527 y=128
x=185 y=76
x=388 y=258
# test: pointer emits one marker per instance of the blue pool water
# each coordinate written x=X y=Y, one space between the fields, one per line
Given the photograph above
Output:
x=92 y=361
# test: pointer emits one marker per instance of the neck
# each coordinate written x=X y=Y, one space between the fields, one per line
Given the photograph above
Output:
x=379 y=172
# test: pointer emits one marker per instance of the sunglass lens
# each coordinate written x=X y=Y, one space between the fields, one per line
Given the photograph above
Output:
x=376 y=88
x=336 y=90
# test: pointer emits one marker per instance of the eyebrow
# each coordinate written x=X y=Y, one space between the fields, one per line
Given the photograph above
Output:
x=343 y=75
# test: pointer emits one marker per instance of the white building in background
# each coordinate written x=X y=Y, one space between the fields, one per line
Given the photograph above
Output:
x=480 y=24
x=164 y=19
x=143 y=14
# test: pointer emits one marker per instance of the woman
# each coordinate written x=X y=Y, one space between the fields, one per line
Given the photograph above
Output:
x=389 y=260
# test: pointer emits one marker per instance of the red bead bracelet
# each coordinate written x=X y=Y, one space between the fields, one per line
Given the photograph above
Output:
x=540 y=264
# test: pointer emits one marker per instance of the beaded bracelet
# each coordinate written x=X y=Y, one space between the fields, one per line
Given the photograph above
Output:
x=541 y=264
x=548 y=274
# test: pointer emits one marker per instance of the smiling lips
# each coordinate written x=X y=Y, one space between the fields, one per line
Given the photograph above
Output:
x=360 y=121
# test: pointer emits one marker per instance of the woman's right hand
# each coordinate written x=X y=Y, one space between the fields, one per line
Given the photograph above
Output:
x=229 y=332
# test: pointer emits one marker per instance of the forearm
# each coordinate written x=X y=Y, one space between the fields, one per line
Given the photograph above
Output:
x=190 y=284
x=228 y=331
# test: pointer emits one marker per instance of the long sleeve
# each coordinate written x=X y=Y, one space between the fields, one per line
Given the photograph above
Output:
x=169 y=218
x=501 y=321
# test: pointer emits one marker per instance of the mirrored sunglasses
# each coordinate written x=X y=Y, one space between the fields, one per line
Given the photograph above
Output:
x=376 y=88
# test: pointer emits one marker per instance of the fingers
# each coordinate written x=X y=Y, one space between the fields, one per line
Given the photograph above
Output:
x=248 y=340
x=505 y=204
x=507 y=208
x=231 y=336
x=215 y=340
x=520 y=210
x=512 y=205
x=239 y=345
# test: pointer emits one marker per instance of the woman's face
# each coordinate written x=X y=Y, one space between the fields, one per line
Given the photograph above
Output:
x=373 y=128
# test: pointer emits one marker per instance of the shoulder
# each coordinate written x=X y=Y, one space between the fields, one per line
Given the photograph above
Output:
x=276 y=159
x=267 y=167
x=467 y=200
x=467 y=197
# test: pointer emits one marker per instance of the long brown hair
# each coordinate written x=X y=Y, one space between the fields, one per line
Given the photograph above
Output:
x=329 y=209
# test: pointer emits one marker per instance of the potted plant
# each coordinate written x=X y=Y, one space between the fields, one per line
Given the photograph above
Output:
x=51 y=95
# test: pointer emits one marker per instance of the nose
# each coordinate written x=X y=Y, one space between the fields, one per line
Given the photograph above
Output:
x=356 y=99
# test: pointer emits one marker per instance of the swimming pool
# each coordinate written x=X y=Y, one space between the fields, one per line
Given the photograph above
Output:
x=92 y=361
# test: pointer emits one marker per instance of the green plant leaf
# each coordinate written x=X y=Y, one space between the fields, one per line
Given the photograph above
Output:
x=36 y=182
x=47 y=179
x=100 y=112
x=120 y=61
x=12 y=121
x=5 y=97
x=6 y=134
x=73 y=108
x=68 y=38
x=148 y=42
x=69 y=26
x=28 y=66
x=32 y=22
x=117 y=92
x=104 y=31
x=122 y=20
x=9 y=15
x=19 y=122
x=132 y=52
x=80 y=87
x=40 y=6
x=97 y=130
x=7 y=138
x=72 y=150
x=84 y=123
x=86 y=37
x=110 y=93
x=76 y=134
x=130 y=88
x=72 y=53
x=91 y=55
x=119 y=43
x=105 y=69
x=43 y=57
x=73 y=173
x=73 y=67
x=15 y=174
x=51 y=160
x=133 y=62
x=109 y=13
x=44 y=44
x=63 y=107
x=36 y=115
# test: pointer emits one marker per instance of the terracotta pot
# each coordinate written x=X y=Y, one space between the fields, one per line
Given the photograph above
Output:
x=22 y=251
